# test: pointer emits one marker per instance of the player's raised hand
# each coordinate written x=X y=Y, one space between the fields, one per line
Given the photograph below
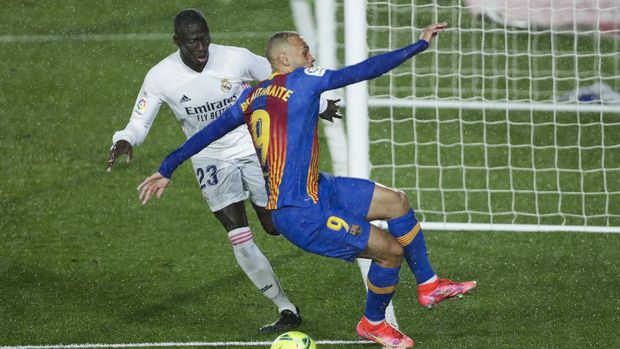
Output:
x=119 y=148
x=431 y=31
x=155 y=184
x=331 y=111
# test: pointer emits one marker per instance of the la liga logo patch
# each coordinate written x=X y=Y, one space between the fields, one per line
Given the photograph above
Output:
x=141 y=106
x=316 y=71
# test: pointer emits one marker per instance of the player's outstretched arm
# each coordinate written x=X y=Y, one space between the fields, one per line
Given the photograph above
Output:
x=228 y=121
x=119 y=148
x=378 y=65
x=154 y=184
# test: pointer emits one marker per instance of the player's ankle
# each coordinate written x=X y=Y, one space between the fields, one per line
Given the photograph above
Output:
x=429 y=284
x=371 y=324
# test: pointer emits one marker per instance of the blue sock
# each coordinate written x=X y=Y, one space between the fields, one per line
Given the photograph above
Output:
x=381 y=287
x=406 y=229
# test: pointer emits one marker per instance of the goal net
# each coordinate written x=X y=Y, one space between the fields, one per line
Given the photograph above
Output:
x=509 y=121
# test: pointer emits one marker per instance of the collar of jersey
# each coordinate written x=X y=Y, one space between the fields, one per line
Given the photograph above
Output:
x=274 y=74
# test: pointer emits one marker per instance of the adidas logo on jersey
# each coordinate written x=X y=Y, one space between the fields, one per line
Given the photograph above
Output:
x=185 y=99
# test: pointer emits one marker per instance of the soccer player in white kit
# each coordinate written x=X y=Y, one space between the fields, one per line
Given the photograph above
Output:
x=199 y=82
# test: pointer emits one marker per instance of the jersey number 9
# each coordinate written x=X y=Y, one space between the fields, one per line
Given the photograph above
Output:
x=260 y=133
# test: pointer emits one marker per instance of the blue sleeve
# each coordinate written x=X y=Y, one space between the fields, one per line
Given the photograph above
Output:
x=228 y=121
x=371 y=67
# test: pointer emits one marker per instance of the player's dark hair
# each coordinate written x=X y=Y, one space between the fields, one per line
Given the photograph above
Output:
x=187 y=17
x=276 y=40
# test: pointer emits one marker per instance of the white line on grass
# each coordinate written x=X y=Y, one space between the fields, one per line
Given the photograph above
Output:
x=168 y=344
x=46 y=38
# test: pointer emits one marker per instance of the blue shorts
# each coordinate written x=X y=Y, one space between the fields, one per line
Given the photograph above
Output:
x=336 y=225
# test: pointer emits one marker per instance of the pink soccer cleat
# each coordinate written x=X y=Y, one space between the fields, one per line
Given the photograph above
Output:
x=442 y=289
x=383 y=334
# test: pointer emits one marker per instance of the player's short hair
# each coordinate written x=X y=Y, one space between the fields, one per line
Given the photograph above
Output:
x=187 y=17
x=275 y=42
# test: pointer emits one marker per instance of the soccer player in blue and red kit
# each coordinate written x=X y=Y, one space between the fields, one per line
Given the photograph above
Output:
x=320 y=213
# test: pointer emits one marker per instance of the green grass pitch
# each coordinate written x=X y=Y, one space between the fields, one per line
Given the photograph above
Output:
x=82 y=261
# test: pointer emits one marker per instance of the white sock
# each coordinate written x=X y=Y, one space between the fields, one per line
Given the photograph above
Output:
x=375 y=322
x=257 y=267
x=432 y=279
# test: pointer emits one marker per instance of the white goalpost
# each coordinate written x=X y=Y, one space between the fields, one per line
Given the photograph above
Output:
x=509 y=122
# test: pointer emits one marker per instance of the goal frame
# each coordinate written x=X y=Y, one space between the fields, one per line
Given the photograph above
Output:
x=357 y=124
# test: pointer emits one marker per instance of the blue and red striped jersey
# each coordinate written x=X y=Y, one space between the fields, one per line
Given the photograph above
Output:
x=283 y=122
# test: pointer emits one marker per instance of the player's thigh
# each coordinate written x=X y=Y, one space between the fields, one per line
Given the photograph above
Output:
x=353 y=195
x=220 y=182
x=326 y=232
x=253 y=179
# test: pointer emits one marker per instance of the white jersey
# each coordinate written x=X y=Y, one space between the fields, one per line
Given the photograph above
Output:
x=198 y=98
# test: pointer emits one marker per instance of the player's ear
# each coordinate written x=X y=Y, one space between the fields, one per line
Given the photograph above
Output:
x=283 y=59
x=176 y=39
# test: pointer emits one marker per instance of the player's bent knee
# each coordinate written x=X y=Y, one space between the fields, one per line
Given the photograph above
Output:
x=403 y=200
x=388 y=203
x=401 y=203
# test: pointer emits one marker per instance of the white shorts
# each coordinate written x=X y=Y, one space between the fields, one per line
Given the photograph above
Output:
x=225 y=182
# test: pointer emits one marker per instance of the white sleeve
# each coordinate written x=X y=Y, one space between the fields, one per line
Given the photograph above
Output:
x=144 y=113
x=258 y=66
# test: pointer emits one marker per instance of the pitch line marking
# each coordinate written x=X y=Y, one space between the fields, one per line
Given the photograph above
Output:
x=46 y=38
x=168 y=344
